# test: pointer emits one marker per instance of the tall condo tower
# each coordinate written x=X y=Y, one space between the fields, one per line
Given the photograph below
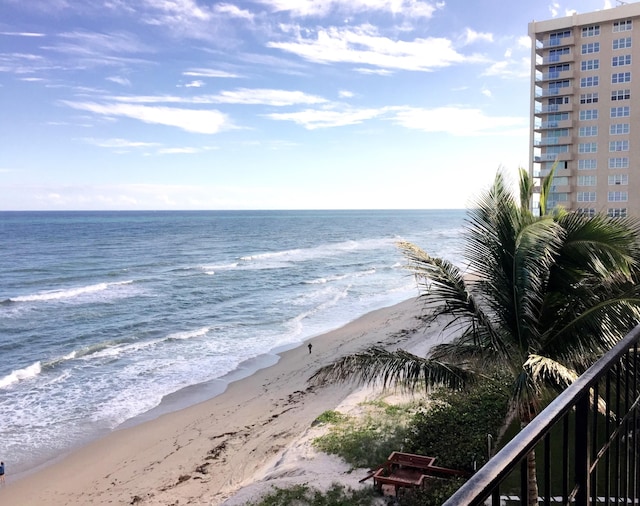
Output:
x=585 y=109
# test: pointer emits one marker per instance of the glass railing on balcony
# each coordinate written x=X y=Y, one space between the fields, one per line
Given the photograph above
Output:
x=547 y=157
x=552 y=141
x=556 y=42
x=546 y=124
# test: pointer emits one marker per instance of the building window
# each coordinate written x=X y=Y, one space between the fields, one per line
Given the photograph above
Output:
x=587 y=211
x=621 y=77
x=620 y=112
x=559 y=116
x=622 y=43
x=589 y=65
x=622 y=26
x=588 y=98
x=588 y=82
x=622 y=179
x=586 y=196
x=559 y=84
x=617 y=212
x=556 y=37
x=587 y=180
x=621 y=95
x=588 y=114
x=618 y=146
x=588 y=131
x=591 y=31
x=591 y=47
x=617 y=196
x=620 y=162
x=555 y=54
x=620 y=61
x=619 y=129
x=588 y=164
x=557 y=149
x=588 y=147
x=556 y=69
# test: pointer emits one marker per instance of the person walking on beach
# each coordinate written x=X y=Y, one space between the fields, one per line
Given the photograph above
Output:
x=310 y=348
x=1 y=472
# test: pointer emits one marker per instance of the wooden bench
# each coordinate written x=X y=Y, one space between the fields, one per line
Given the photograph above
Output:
x=407 y=470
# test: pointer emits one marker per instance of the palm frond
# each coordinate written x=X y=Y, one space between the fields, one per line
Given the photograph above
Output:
x=546 y=371
x=377 y=366
x=444 y=285
x=526 y=189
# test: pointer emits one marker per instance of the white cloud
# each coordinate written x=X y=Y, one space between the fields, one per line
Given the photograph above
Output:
x=195 y=84
x=471 y=36
x=302 y=8
x=554 y=9
x=119 y=143
x=509 y=69
x=208 y=73
x=486 y=92
x=363 y=45
x=119 y=80
x=190 y=120
x=266 y=96
x=179 y=151
x=345 y=94
x=234 y=11
x=94 y=43
x=22 y=34
x=379 y=72
x=247 y=96
x=312 y=119
x=459 y=121
x=524 y=42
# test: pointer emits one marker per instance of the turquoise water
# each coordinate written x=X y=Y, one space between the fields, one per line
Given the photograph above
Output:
x=103 y=315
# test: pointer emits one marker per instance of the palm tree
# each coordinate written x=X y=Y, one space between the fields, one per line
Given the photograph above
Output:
x=542 y=298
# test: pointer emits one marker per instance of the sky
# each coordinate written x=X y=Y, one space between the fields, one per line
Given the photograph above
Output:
x=263 y=104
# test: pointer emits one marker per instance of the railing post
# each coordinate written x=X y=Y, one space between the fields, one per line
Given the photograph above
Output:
x=582 y=454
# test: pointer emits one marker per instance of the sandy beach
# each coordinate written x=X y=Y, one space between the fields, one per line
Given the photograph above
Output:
x=206 y=453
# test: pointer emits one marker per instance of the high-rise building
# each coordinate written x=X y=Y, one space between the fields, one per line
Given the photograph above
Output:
x=585 y=109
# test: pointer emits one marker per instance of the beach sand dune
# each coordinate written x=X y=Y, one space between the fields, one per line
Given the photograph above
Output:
x=255 y=434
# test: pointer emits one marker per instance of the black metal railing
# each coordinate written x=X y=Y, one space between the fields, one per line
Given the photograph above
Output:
x=586 y=443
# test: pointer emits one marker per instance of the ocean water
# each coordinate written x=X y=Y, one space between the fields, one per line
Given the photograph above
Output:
x=108 y=317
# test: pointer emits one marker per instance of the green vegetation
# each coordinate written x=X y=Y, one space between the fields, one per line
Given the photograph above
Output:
x=541 y=299
x=330 y=416
x=454 y=428
x=367 y=441
x=303 y=495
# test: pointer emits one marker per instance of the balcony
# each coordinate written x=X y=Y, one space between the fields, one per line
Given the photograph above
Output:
x=550 y=60
x=555 y=92
x=545 y=109
x=554 y=43
x=550 y=76
x=595 y=428
x=545 y=125
x=552 y=141
x=552 y=157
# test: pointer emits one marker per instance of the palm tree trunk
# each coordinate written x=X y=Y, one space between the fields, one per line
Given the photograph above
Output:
x=532 y=482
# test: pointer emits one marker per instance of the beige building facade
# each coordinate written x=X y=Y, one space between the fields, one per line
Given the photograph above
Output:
x=585 y=109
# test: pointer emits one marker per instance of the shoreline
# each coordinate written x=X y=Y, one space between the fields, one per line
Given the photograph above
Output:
x=204 y=453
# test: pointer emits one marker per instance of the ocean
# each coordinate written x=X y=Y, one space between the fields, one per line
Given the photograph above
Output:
x=111 y=318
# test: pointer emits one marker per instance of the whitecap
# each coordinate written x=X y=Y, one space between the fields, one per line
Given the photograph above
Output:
x=21 y=374
x=68 y=293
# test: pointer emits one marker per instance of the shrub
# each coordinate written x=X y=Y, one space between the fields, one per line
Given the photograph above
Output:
x=454 y=428
x=303 y=495
x=366 y=442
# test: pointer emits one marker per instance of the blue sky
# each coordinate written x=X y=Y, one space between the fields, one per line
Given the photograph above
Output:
x=265 y=104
